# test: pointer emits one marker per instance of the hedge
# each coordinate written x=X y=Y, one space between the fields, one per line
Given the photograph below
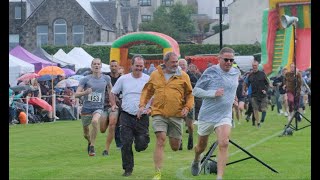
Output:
x=155 y=52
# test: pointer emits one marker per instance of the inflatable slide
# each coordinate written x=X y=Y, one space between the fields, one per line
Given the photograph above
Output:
x=277 y=45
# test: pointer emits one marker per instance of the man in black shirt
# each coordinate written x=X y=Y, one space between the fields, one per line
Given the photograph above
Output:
x=260 y=85
x=112 y=123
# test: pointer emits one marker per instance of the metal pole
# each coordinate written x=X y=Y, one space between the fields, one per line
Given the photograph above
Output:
x=220 y=22
x=54 y=106
x=77 y=105
x=27 y=109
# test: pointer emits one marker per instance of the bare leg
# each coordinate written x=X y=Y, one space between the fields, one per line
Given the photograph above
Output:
x=240 y=108
x=94 y=130
x=159 y=150
x=112 y=126
x=86 y=133
x=200 y=147
x=103 y=123
x=223 y=133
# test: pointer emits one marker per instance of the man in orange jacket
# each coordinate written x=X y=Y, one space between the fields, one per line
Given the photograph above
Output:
x=171 y=90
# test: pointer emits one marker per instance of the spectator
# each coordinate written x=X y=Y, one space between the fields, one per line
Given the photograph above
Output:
x=35 y=86
x=151 y=68
x=66 y=108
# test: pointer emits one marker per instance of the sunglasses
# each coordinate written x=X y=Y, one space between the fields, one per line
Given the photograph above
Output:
x=226 y=60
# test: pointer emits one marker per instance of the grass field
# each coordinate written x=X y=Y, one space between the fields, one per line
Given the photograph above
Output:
x=58 y=151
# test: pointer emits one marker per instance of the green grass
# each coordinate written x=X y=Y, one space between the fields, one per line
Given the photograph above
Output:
x=58 y=151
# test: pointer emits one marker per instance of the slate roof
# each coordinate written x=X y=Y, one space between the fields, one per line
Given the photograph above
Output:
x=103 y=12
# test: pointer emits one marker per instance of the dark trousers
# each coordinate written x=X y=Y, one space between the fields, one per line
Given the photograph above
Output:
x=117 y=133
x=133 y=130
x=250 y=111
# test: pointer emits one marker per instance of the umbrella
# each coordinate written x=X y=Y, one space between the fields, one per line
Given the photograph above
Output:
x=20 y=88
x=28 y=76
x=51 y=70
x=67 y=83
x=76 y=77
x=46 y=78
x=40 y=102
x=68 y=72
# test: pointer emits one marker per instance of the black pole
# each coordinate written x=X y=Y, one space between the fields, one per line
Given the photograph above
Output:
x=295 y=67
x=220 y=22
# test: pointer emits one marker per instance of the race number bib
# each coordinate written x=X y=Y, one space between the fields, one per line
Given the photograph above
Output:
x=95 y=97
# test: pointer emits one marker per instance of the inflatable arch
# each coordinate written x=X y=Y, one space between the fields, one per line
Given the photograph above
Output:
x=119 y=48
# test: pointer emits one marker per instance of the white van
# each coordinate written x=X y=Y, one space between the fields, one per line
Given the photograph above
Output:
x=244 y=62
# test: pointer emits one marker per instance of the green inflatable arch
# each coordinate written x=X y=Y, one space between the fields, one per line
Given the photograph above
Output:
x=124 y=42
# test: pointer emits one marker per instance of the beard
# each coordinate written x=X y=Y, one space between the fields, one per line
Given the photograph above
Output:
x=172 y=69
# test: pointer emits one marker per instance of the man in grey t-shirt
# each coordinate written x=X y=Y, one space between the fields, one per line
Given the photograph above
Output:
x=93 y=87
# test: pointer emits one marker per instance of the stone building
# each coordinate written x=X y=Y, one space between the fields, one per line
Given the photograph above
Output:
x=34 y=23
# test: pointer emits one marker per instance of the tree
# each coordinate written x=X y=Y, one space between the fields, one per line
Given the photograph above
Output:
x=174 y=21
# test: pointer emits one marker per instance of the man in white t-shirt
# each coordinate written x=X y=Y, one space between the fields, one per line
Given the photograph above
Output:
x=132 y=129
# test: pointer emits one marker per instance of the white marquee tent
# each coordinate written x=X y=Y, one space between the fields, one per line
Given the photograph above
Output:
x=60 y=54
x=17 y=67
x=84 y=58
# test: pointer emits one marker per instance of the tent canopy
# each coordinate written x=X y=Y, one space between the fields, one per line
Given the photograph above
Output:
x=17 y=67
x=27 y=56
x=40 y=52
x=60 y=54
x=82 y=56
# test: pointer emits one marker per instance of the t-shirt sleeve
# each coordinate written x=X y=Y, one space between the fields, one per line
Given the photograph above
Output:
x=107 y=78
x=117 y=86
x=83 y=82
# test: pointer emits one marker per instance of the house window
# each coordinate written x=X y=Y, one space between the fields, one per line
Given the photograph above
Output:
x=167 y=2
x=13 y=40
x=77 y=35
x=60 y=32
x=224 y=10
x=42 y=35
x=17 y=12
x=145 y=18
x=145 y=2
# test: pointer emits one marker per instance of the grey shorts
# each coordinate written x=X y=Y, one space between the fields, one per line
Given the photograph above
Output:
x=87 y=118
x=172 y=126
x=206 y=128
x=259 y=104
